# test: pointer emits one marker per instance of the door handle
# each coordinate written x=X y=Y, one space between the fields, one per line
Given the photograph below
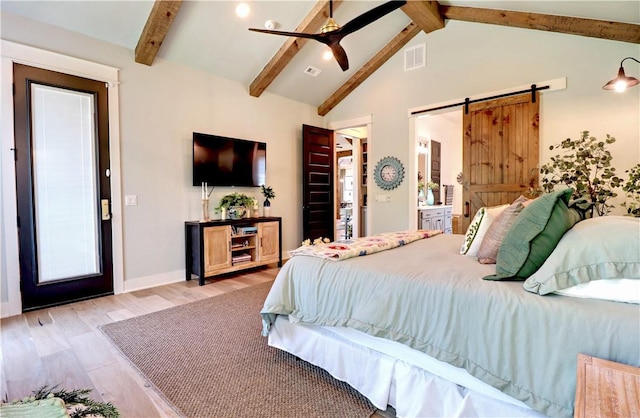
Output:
x=106 y=213
x=466 y=209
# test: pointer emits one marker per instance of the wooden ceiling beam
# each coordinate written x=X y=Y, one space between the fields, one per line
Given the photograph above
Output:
x=370 y=67
x=425 y=14
x=155 y=30
x=603 y=29
x=310 y=24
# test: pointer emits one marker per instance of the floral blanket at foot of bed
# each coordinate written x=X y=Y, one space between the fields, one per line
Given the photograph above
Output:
x=358 y=247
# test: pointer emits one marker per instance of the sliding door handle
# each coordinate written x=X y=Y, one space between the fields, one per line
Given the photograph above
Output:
x=466 y=209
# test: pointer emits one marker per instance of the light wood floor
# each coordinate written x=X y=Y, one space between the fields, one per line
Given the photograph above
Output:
x=63 y=345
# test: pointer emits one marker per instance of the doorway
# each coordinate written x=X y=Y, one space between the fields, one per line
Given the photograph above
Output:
x=321 y=198
x=351 y=145
x=439 y=154
x=63 y=187
x=492 y=156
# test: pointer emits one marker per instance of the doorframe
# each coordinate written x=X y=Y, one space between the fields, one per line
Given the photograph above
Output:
x=11 y=52
x=412 y=169
x=357 y=164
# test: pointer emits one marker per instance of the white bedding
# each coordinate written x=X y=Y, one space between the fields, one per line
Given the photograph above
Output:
x=390 y=373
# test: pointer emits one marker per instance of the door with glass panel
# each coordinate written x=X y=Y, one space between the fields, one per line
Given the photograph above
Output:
x=62 y=185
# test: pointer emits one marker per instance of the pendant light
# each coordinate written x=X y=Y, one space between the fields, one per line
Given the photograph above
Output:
x=621 y=82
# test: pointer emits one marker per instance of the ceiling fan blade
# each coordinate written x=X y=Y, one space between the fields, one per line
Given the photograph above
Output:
x=340 y=55
x=296 y=34
x=369 y=17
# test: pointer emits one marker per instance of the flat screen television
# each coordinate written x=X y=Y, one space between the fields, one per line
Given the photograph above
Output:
x=223 y=161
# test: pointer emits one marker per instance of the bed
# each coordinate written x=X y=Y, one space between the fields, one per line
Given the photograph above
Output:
x=419 y=328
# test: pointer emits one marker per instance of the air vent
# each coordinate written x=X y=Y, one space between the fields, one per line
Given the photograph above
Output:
x=415 y=57
x=312 y=71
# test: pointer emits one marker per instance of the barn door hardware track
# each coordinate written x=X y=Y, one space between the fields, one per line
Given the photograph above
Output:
x=468 y=101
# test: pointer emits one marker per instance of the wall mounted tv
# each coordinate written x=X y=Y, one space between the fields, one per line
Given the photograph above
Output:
x=222 y=161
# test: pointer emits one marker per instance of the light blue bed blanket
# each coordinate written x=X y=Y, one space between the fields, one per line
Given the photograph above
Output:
x=431 y=298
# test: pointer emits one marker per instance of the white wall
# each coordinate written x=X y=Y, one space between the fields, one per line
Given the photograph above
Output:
x=160 y=107
x=467 y=59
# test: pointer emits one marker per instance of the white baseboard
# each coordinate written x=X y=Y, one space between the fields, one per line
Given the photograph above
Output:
x=154 y=280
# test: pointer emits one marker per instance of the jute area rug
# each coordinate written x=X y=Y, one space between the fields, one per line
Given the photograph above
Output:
x=208 y=359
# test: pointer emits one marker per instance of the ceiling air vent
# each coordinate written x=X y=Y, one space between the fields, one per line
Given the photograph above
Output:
x=415 y=57
x=312 y=71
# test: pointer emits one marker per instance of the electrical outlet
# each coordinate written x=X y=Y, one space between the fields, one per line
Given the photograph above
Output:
x=131 y=200
x=383 y=198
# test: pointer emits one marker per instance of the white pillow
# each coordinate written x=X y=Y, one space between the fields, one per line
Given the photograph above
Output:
x=478 y=228
x=617 y=290
x=605 y=247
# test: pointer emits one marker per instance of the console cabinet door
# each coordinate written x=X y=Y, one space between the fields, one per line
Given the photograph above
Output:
x=269 y=247
x=217 y=254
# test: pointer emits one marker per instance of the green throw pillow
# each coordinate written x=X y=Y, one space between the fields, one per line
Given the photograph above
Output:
x=534 y=235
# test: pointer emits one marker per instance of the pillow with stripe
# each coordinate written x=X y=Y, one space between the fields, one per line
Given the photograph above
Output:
x=488 y=251
x=478 y=228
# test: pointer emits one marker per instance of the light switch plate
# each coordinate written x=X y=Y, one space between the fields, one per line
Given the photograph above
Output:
x=131 y=200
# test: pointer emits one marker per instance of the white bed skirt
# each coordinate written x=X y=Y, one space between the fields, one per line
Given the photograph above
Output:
x=416 y=386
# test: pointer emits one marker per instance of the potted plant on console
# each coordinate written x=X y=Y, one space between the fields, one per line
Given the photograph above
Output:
x=268 y=193
x=430 y=187
x=235 y=205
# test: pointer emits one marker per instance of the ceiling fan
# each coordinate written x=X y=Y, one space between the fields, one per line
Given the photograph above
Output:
x=331 y=33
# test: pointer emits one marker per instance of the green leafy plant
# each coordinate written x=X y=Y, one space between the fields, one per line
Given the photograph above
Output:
x=584 y=165
x=268 y=193
x=77 y=402
x=632 y=191
x=431 y=185
x=235 y=199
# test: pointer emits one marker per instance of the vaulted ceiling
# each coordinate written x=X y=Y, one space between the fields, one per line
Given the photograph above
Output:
x=208 y=35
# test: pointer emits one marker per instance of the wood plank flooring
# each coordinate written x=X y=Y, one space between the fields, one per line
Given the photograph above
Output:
x=63 y=345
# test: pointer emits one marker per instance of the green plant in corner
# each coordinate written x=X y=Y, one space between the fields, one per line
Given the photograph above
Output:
x=632 y=191
x=584 y=165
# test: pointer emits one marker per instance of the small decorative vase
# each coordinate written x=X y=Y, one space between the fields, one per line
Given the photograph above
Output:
x=430 y=198
x=237 y=212
x=205 y=211
x=223 y=213
x=266 y=208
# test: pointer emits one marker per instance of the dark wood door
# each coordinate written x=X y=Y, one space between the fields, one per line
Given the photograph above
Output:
x=435 y=169
x=62 y=184
x=318 y=183
x=500 y=152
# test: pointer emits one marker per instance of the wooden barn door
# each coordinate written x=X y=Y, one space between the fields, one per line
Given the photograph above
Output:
x=500 y=152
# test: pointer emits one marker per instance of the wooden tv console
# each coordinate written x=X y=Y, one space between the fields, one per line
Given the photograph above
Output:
x=224 y=246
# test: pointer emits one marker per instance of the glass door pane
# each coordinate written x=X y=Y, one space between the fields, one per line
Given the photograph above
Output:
x=65 y=184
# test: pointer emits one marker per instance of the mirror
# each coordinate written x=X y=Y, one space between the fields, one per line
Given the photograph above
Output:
x=443 y=129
